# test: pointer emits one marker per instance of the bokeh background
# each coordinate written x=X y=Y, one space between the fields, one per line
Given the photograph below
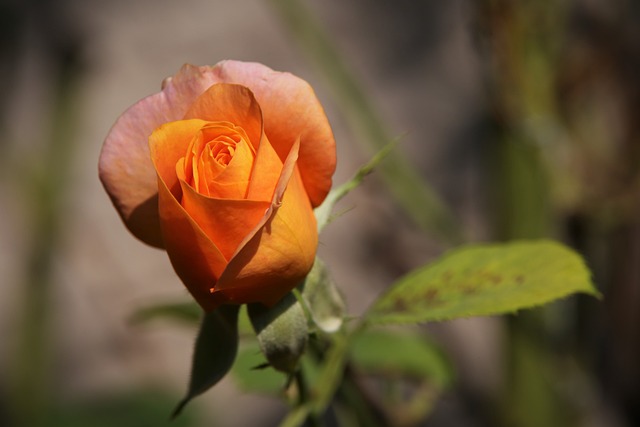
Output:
x=516 y=119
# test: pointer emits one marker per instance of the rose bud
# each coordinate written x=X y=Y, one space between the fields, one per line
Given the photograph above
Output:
x=223 y=168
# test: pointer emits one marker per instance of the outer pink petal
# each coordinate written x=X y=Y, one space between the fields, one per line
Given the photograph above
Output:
x=291 y=110
x=125 y=168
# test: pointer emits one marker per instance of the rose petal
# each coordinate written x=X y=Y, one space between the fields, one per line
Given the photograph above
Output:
x=196 y=260
x=278 y=257
x=226 y=222
x=278 y=193
x=168 y=144
x=291 y=110
x=210 y=178
x=237 y=170
x=266 y=172
x=230 y=103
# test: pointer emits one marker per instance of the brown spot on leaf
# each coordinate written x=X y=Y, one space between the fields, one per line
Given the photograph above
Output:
x=446 y=276
x=400 y=305
x=519 y=279
x=492 y=278
x=468 y=289
x=431 y=296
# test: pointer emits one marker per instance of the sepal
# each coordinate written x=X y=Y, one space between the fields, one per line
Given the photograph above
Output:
x=215 y=351
x=282 y=332
x=322 y=298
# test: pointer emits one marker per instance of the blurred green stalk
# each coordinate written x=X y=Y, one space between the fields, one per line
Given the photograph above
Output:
x=31 y=394
x=523 y=44
x=418 y=199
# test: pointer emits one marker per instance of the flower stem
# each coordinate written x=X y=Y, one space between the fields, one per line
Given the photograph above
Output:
x=303 y=397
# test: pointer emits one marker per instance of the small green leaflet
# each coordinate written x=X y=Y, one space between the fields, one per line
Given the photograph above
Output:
x=479 y=280
x=400 y=354
x=214 y=353
x=187 y=312
x=409 y=372
x=322 y=299
x=324 y=211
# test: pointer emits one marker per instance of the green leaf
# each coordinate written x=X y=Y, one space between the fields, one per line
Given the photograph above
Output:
x=281 y=330
x=251 y=379
x=479 y=280
x=407 y=373
x=400 y=354
x=188 y=312
x=214 y=353
x=322 y=298
x=324 y=211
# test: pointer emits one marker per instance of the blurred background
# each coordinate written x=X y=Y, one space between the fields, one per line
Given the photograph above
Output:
x=516 y=119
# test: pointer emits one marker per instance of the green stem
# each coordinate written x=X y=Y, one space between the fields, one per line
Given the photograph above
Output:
x=301 y=384
x=303 y=397
x=351 y=393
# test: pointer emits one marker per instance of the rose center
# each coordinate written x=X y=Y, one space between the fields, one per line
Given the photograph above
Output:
x=218 y=161
x=222 y=149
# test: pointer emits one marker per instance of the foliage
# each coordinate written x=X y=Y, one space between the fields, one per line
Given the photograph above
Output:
x=305 y=345
x=479 y=280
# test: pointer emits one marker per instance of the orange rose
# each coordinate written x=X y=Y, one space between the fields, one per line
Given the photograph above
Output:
x=223 y=169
